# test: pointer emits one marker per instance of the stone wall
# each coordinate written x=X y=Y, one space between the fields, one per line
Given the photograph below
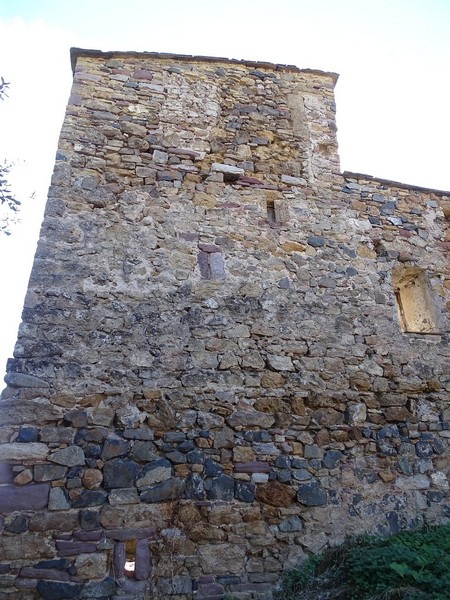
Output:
x=231 y=354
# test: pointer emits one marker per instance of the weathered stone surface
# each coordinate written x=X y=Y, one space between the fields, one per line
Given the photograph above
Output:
x=241 y=420
x=91 y=566
x=163 y=492
x=222 y=488
x=227 y=169
x=291 y=524
x=68 y=548
x=155 y=472
x=90 y=498
x=98 y=589
x=123 y=496
x=58 y=499
x=143 y=565
x=92 y=479
x=16 y=452
x=275 y=494
x=6 y=473
x=114 y=447
x=70 y=456
x=53 y=590
x=24 y=497
x=42 y=573
x=312 y=494
x=225 y=340
x=120 y=473
x=222 y=558
x=49 y=472
x=280 y=363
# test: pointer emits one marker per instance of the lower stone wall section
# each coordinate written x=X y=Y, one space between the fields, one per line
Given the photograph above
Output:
x=217 y=506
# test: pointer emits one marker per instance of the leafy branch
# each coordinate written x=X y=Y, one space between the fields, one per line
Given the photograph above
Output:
x=8 y=203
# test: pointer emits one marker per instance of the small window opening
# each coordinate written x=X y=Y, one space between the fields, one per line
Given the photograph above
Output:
x=130 y=558
x=271 y=215
x=415 y=307
x=211 y=265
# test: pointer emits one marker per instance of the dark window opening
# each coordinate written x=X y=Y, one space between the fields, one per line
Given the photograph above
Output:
x=271 y=215
x=130 y=558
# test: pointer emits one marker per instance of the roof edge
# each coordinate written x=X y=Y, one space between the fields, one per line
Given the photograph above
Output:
x=398 y=184
x=76 y=53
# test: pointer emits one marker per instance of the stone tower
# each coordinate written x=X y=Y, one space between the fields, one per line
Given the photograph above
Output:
x=231 y=354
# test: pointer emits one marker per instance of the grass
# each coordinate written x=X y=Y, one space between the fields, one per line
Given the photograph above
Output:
x=412 y=565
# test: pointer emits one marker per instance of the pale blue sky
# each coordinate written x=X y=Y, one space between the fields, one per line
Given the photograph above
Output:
x=393 y=57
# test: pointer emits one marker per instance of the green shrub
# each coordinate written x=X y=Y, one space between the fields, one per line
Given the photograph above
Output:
x=413 y=565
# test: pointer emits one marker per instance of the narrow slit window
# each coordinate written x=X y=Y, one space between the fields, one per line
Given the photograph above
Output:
x=130 y=558
x=413 y=296
x=271 y=215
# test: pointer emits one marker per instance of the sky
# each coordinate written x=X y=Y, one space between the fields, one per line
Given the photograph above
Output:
x=393 y=57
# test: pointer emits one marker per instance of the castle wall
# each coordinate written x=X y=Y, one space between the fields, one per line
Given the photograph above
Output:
x=231 y=354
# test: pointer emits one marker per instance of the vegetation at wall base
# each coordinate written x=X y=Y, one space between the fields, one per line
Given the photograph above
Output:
x=412 y=565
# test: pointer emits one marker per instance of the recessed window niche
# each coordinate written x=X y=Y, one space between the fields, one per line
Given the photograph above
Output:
x=417 y=312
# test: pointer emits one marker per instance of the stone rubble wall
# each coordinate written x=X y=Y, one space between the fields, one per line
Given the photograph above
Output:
x=210 y=379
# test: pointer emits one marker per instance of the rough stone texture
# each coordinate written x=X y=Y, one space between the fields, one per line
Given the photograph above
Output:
x=231 y=353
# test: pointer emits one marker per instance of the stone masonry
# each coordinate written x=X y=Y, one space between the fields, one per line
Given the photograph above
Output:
x=231 y=354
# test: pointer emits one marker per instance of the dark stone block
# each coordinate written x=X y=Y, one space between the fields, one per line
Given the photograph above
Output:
x=139 y=434
x=316 y=241
x=120 y=473
x=312 y=494
x=282 y=462
x=386 y=448
x=404 y=466
x=115 y=447
x=284 y=476
x=163 y=492
x=90 y=498
x=56 y=563
x=394 y=522
x=186 y=446
x=99 y=589
x=55 y=590
x=68 y=548
x=439 y=446
x=24 y=497
x=244 y=491
x=6 y=474
x=49 y=472
x=93 y=450
x=299 y=463
x=424 y=449
x=222 y=488
x=143 y=451
x=88 y=536
x=291 y=524
x=143 y=564
x=252 y=467
x=89 y=519
x=261 y=436
x=176 y=457
x=132 y=533
x=77 y=418
x=196 y=457
x=28 y=434
x=331 y=459
x=194 y=488
x=18 y=525
x=54 y=574
x=212 y=469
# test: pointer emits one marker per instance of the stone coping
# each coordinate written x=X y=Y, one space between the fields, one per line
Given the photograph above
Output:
x=75 y=53
x=390 y=183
